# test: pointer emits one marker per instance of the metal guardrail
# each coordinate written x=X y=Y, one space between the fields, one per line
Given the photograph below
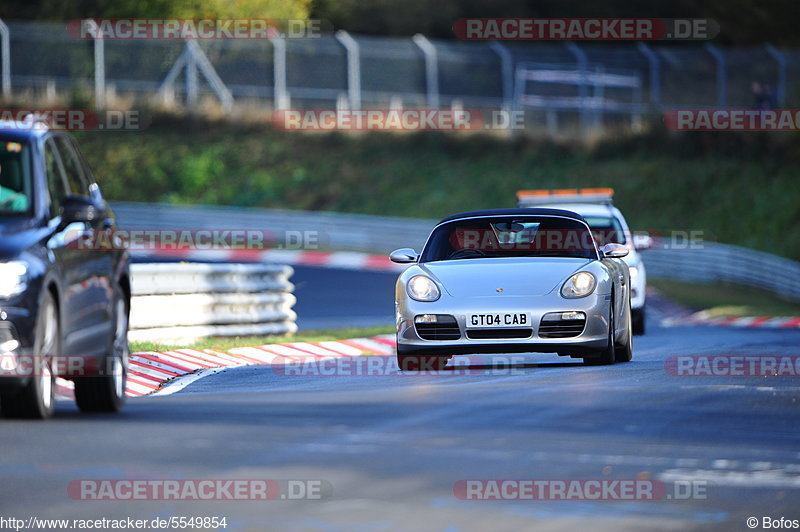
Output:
x=180 y=302
x=334 y=231
x=705 y=263
x=712 y=262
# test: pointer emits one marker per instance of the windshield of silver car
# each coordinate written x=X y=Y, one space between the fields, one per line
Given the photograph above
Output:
x=537 y=236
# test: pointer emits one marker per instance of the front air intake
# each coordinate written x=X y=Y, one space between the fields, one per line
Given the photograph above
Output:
x=554 y=327
x=437 y=327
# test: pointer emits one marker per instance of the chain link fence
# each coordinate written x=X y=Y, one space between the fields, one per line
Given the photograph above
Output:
x=44 y=61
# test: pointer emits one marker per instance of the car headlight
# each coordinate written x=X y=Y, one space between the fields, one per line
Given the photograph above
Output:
x=579 y=285
x=13 y=278
x=422 y=288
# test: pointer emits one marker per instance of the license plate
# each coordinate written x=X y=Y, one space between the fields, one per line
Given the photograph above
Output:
x=498 y=319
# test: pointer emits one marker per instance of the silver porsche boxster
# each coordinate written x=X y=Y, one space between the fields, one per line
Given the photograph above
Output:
x=512 y=280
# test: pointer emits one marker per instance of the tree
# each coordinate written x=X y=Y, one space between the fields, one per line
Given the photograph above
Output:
x=64 y=10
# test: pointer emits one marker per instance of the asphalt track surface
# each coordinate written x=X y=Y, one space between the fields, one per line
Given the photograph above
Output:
x=390 y=448
x=334 y=298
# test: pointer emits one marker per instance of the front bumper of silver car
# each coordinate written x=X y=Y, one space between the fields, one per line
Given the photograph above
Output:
x=564 y=337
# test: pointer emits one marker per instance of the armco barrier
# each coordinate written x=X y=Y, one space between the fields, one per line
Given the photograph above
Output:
x=704 y=262
x=710 y=262
x=180 y=302
x=332 y=231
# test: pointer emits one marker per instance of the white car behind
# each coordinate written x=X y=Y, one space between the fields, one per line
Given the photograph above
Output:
x=609 y=226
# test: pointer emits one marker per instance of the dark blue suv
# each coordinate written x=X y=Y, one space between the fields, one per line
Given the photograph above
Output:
x=64 y=305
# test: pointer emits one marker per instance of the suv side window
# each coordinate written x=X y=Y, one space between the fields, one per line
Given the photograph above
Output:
x=56 y=184
x=78 y=184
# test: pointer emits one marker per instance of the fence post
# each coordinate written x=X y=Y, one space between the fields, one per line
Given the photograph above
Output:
x=506 y=71
x=722 y=87
x=431 y=69
x=583 y=62
x=204 y=66
x=280 y=96
x=598 y=95
x=353 y=68
x=780 y=93
x=5 y=60
x=519 y=87
x=166 y=91
x=99 y=70
x=655 y=73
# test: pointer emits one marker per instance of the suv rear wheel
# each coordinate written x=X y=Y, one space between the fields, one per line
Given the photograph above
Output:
x=105 y=392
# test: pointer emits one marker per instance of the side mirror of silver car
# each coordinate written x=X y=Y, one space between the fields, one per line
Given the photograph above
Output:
x=404 y=256
x=614 y=251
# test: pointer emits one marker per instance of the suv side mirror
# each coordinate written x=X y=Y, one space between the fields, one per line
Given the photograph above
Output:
x=404 y=256
x=79 y=209
x=614 y=251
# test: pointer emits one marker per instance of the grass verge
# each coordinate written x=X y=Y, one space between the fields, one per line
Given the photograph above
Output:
x=726 y=300
x=224 y=344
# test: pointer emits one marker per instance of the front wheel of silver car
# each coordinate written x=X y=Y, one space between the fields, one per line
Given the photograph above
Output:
x=607 y=355
x=624 y=352
x=105 y=392
x=638 y=321
x=36 y=399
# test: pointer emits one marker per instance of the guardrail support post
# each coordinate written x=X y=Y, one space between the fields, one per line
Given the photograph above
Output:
x=281 y=96
x=722 y=87
x=431 y=69
x=780 y=92
x=5 y=60
x=353 y=68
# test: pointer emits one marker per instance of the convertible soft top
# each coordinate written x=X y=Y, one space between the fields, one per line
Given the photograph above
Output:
x=514 y=212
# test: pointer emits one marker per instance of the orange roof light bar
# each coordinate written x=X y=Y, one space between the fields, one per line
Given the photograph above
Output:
x=603 y=191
